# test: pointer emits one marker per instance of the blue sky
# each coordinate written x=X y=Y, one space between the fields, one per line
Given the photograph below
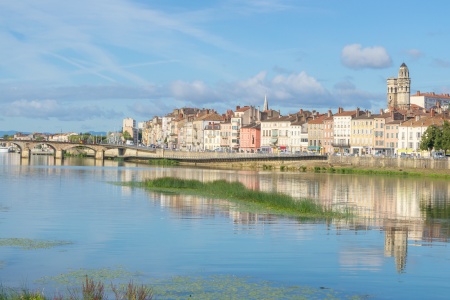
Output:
x=85 y=65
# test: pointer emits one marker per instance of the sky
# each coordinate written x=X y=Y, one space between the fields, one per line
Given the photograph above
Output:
x=85 y=65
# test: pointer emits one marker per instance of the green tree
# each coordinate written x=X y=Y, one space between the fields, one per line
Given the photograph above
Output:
x=429 y=137
x=445 y=136
x=127 y=135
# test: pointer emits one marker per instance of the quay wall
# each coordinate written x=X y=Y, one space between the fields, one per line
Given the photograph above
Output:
x=418 y=164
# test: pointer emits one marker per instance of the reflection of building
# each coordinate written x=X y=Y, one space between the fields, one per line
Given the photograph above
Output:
x=396 y=245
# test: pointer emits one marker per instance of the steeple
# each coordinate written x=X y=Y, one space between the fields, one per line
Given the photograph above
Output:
x=266 y=105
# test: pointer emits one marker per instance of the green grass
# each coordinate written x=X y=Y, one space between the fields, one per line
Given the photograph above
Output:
x=90 y=290
x=236 y=191
x=163 y=162
x=377 y=172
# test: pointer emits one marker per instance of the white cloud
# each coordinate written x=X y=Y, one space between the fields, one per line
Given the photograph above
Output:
x=414 y=53
x=355 y=57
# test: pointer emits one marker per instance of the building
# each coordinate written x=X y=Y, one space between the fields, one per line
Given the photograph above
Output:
x=399 y=89
x=129 y=125
x=328 y=138
x=211 y=136
x=431 y=100
x=342 y=122
x=315 y=132
x=362 y=134
x=250 y=138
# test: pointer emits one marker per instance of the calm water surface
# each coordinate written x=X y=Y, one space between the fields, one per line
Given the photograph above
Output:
x=394 y=250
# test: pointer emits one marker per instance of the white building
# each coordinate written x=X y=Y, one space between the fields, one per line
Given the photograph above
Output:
x=431 y=100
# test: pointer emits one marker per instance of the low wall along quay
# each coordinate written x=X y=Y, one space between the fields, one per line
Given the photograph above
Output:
x=394 y=163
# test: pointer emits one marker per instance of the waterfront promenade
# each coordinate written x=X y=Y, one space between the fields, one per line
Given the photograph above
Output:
x=236 y=159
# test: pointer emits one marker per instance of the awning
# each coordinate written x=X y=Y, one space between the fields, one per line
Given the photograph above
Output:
x=314 y=148
x=282 y=147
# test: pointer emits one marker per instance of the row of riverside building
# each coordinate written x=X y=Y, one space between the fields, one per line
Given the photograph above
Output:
x=392 y=131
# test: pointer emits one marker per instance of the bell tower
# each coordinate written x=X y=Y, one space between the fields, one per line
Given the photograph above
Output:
x=399 y=89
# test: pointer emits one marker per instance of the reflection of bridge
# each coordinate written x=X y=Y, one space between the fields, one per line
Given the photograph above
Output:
x=102 y=151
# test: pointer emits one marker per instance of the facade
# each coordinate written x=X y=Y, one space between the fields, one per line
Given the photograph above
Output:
x=431 y=100
x=391 y=140
x=199 y=124
x=129 y=125
x=275 y=133
x=250 y=138
x=362 y=134
x=399 y=89
x=225 y=136
x=299 y=136
x=211 y=137
x=327 y=139
x=315 y=133
x=342 y=122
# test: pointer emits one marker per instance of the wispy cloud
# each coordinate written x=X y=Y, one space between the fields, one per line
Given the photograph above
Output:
x=51 y=109
x=356 y=57
x=441 y=63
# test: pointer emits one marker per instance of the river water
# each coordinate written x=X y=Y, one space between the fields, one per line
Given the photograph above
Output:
x=208 y=248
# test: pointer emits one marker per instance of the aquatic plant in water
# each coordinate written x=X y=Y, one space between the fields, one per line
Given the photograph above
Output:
x=29 y=244
x=236 y=191
x=187 y=287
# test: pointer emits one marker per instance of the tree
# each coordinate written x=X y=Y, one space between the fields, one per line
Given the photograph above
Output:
x=445 y=136
x=429 y=138
x=127 y=135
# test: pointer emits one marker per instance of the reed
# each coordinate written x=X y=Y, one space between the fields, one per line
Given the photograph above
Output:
x=272 y=201
x=90 y=290
x=163 y=162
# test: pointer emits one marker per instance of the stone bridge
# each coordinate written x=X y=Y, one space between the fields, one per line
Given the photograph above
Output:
x=101 y=151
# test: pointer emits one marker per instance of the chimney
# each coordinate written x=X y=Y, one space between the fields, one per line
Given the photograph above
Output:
x=369 y=113
x=392 y=114
x=238 y=107
x=357 y=111
x=432 y=112
x=381 y=111
x=329 y=113
x=418 y=93
x=317 y=113
x=301 y=111
x=340 y=110
x=417 y=117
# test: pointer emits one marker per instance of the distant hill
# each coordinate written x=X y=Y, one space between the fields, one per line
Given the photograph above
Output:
x=12 y=132
x=9 y=132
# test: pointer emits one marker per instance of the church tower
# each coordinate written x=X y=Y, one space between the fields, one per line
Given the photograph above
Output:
x=266 y=105
x=404 y=87
x=399 y=89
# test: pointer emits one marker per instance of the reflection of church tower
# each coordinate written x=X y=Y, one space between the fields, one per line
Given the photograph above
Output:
x=266 y=105
x=399 y=89
x=396 y=245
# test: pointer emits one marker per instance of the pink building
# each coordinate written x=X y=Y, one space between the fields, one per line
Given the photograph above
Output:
x=250 y=138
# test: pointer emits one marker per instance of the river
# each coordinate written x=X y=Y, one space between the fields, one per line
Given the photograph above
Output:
x=63 y=219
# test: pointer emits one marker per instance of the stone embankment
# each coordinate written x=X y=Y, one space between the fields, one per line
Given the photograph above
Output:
x=428 y=166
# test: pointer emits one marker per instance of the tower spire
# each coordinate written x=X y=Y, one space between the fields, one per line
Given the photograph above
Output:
x=266 y=105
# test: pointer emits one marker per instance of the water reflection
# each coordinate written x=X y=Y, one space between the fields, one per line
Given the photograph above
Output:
x=407 y=211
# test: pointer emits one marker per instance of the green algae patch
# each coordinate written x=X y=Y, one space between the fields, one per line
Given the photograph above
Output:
x=75 y=277
x=29 y=244
x=270 y=202
x=235 y=287
x=199 y=287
